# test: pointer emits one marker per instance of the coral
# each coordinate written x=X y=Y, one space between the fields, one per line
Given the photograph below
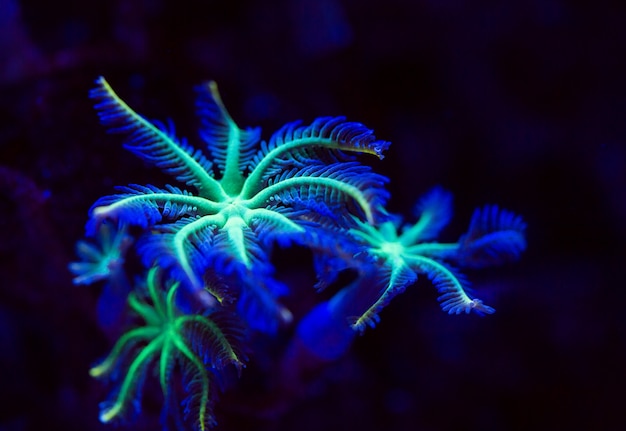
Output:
x=199 y=344
x=207 y=252
x=250 y=193
x=103 y=260
x=401 y=252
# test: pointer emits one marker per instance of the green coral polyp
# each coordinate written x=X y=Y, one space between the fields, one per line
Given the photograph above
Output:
x=165 y=337
x=244 y=184
x=104 y=259
x=403 y=252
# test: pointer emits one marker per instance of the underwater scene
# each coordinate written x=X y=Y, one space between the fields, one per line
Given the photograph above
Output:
x=312 y=214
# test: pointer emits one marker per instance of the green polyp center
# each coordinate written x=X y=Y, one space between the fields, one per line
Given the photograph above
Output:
x=233 y=184
x=392 y=249
x=234 y=208
x=169 y=327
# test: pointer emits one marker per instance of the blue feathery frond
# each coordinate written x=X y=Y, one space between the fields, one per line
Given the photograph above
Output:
x=221 y=134
x=334 y=133
x=217 y=338
x=181 y=256
x=495 y=236
x=142 y=206
x=335 y=251
x=330 y=192
x=196 y=398
x=242 y=254
x=434 y=211
x=273 y=230
x=452 y=287
x=390 y=281
x=323 y=141
x=153 y=142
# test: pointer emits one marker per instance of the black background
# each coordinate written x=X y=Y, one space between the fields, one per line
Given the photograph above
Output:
x=520 y=103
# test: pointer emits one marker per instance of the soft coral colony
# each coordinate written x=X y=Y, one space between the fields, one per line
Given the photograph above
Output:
x=205 y=277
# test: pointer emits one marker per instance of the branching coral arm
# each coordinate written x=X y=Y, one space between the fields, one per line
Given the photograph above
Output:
x=154 y=144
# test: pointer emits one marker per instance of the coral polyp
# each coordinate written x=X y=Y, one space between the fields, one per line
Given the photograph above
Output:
x=190 y=266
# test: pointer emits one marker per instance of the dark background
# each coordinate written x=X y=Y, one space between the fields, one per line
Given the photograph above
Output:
x=520 y=103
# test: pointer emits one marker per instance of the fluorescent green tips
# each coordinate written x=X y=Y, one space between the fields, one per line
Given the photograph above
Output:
x=109 y=413
x=98 y=371
x=215 y=94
